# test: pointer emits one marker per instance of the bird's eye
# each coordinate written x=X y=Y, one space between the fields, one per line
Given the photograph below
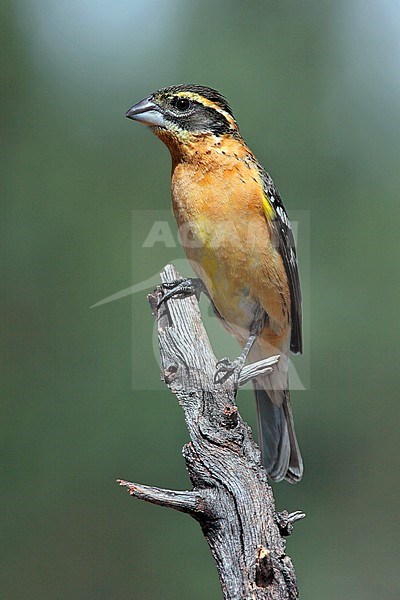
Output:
x=181 y=103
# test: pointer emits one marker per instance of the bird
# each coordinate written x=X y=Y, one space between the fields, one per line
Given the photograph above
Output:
x=237 y=236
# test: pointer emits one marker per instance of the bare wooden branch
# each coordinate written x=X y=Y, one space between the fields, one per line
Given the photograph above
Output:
x=258 y=368
x=231 y=497
x=190 y=502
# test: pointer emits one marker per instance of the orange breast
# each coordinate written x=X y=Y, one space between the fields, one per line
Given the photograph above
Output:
x=218 y=204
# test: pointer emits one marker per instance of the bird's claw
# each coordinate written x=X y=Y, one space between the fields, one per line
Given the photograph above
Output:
x=226 y=368
x=181 y=287
x=286 y=521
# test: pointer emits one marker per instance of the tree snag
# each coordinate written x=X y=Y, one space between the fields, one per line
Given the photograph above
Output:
x=231 y=497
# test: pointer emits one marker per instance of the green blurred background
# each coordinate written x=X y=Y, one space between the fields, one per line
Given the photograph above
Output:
x=315 y=88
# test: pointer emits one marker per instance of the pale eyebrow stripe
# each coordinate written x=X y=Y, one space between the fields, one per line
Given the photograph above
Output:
x=210 y=103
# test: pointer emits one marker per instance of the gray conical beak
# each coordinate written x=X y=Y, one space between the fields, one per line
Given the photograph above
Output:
x=146 y=112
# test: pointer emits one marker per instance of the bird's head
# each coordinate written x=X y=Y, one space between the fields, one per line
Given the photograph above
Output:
x=181 y=113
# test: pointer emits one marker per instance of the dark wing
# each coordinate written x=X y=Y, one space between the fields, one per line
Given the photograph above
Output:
x=287 y=249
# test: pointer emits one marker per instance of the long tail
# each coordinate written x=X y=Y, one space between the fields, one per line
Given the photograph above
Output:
x=280 y=451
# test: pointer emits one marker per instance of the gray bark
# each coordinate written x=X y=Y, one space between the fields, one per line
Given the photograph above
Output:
x=231 y=497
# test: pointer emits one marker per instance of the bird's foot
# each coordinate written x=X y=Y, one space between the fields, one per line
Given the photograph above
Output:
x=182 y=287
x=286 y=521
x=226 y=368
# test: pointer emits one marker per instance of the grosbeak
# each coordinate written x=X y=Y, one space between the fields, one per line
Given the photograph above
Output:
x=238 y=239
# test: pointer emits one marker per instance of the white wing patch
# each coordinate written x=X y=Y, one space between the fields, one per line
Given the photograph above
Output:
x=293 y=258
x=283 y=216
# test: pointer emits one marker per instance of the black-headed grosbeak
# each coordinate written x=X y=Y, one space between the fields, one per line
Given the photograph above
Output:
x=238 y=238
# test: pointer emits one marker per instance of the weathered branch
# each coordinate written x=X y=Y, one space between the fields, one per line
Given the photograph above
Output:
x=258 y=368
x=190 y=502
x=231 y=497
